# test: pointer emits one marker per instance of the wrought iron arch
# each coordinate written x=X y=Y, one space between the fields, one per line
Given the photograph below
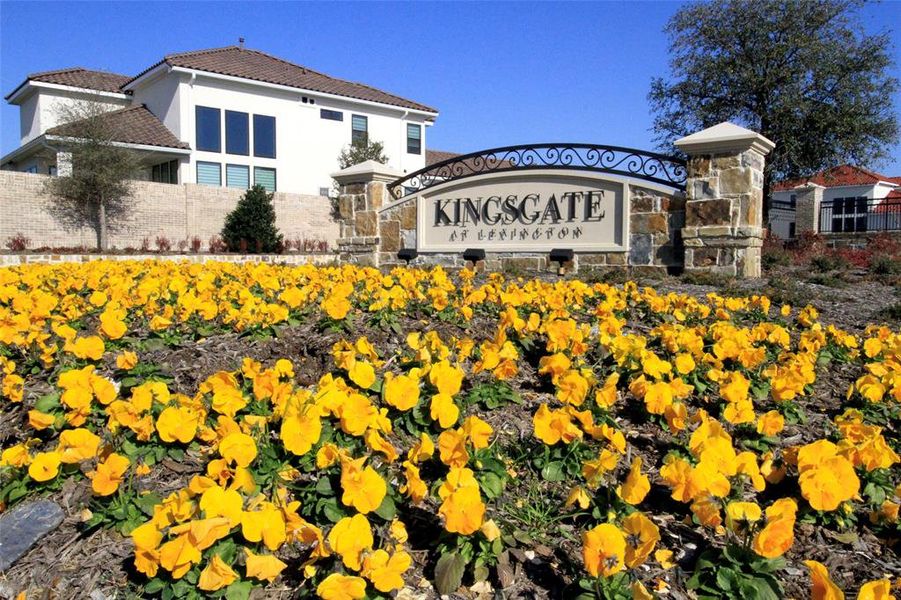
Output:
x=648 y=166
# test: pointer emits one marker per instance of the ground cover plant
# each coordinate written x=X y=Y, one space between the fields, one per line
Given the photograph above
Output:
x=256 y=430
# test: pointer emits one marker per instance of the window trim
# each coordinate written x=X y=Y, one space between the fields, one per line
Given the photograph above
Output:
x=197 y=111
x=247 y=129
x=207 y=162
x=274 y=137
x=418 y=139
x=354 y=131
x=235 y=187
x=274 y=176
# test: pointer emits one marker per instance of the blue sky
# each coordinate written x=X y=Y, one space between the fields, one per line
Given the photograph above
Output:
x=500 y=73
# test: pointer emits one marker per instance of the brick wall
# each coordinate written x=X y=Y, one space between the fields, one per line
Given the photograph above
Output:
x=178 y=212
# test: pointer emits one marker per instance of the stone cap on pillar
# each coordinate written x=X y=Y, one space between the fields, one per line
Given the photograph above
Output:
x=809 y=185
x=725 y=138
x=366 y=172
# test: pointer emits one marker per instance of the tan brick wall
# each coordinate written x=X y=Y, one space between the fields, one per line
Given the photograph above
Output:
x=177 y=212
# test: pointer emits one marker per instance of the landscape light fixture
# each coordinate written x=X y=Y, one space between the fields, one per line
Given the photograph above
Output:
x=474 y=255
x=561 y=256
x=407 y=254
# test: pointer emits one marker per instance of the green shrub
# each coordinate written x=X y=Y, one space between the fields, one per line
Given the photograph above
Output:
x=885 y=265
x=251 y=226
x=829 y=261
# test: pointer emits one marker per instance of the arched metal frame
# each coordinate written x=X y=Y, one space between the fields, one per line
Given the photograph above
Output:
x=648 y=166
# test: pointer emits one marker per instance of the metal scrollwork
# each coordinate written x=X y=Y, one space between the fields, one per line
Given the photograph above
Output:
x=649 y=166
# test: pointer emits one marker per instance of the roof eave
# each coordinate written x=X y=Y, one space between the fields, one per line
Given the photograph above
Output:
x=144 y=147
x=24 y=150
x=150 y=73
x=29 y=85
x=288 y=88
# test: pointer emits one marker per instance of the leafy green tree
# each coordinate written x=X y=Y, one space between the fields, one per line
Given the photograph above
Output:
x=801 y=72
x=250 y=227
x=96 y=190
x=360 y=151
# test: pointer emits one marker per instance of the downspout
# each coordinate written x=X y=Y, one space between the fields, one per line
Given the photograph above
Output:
x=403 y=140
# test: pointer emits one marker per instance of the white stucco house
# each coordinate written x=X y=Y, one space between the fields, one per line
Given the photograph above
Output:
x=852 y=200
x=224 y=117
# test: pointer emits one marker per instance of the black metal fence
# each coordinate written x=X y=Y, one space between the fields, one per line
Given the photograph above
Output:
x=860 y=215
x=649 y=166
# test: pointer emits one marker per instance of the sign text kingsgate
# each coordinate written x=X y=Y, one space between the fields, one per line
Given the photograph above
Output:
x=529 y=209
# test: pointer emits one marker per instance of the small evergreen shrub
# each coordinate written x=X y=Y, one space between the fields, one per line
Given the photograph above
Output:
x=251 y=226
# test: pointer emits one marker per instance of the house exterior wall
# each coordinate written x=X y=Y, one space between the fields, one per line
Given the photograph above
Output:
x=177 y=212
x=307 y=146
x=40 y=111
x=781 y=220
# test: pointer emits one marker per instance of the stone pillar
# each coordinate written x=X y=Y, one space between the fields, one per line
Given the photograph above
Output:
x=363 y=191
x=809 y=199
x=724 y=229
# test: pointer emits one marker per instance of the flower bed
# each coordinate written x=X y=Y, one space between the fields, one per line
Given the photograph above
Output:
x=345 y=433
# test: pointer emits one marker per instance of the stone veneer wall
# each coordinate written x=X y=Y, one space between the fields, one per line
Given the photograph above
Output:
x=723 y=231
x=374 y=230
x=178 y=212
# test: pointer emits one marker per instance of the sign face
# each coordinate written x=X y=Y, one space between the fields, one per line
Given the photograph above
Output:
x=532 y=210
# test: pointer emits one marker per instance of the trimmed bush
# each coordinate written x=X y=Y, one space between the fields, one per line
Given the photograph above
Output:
x=251 y=226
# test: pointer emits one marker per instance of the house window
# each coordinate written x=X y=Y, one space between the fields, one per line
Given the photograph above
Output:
x=166 y=172
x=264 y=136
x=32 y=169
x=264 y=177
x=237 y=133
x=849 y=214
x=237 y=176
x=414 y=139
x=791 y=230
x=51 y=170
x=793 y=200
x=209 y=173
x=359 y=129
x=331 y=115
x=209 y=133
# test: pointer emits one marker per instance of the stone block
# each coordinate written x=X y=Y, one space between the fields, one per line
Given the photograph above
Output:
x=640 y=245
x=360 y=202
x=736 y=180
x=752 y=159
x=345 y=207
x=726 y=161
x=716 y=211
x=641 y=203
x=648 y=223
x=672 y=203
x=524 y=263
x=703 y=189
x=752 y=208
x=409 y=238
x=616 y=258
x=377 y=192
x=389 y=232
x=703 y=257
x=354 y=188
x=587 y=260
x=366 y=223
x=408 y=216
x=699 y=166
x=715 y=231
x=692 y=242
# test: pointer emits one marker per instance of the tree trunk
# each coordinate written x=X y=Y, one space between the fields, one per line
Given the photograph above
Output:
x=104 y=234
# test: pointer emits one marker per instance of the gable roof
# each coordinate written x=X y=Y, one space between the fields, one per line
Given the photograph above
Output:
x=836 y=177
x=134 y=125
x=245 y=63
x=79 y=77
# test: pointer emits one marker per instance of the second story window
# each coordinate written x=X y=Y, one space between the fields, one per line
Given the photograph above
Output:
x=166 y=172
x=209 y=134
x=414 y=139
x=331 y=115
x=237 y=133
x=264 y=136
x=359 y=130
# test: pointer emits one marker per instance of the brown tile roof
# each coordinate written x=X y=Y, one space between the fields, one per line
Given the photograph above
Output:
x=437 y=156
x=80 y=77
x=259 y=66
x=835 y=177
x=135 y=125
